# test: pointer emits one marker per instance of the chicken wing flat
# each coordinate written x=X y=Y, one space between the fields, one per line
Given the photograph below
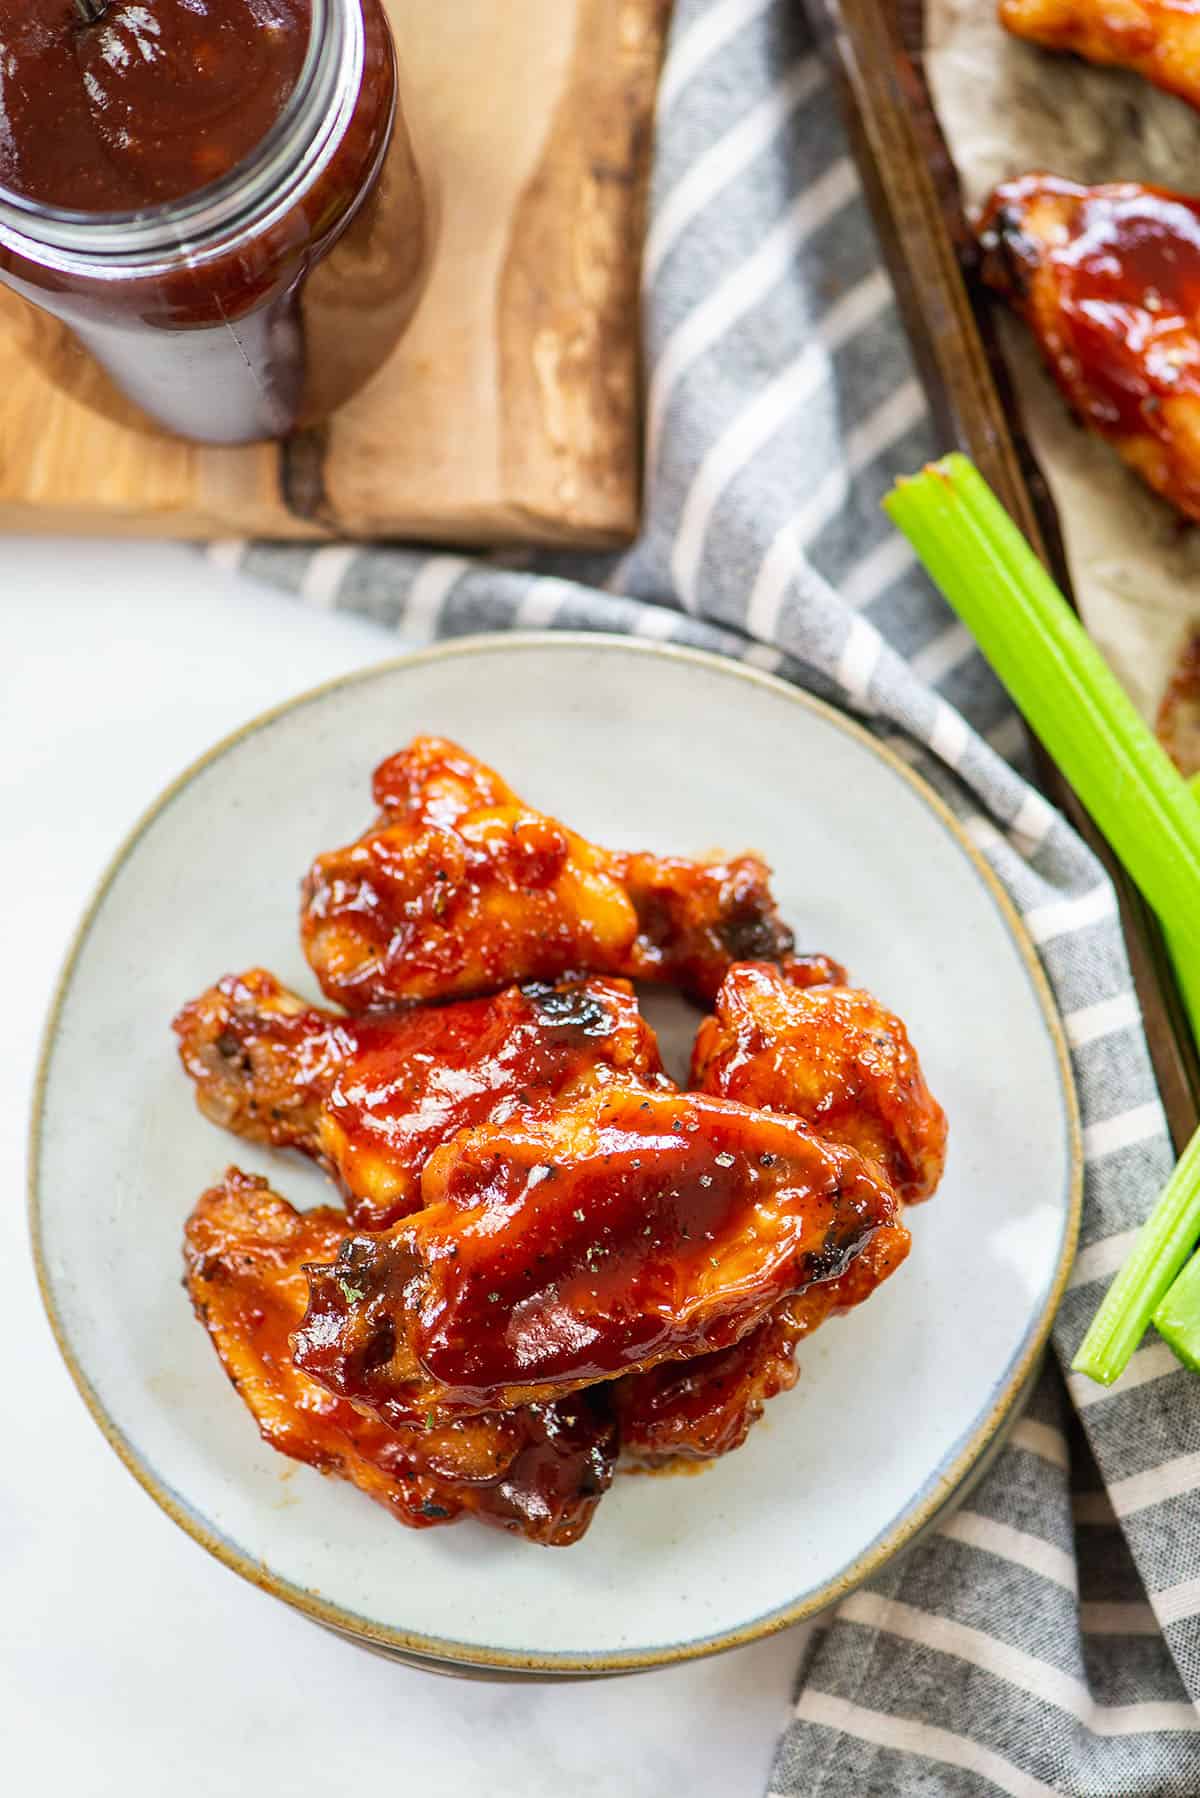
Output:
x=1160 y=39
x=629 y=1228
x=836 y=1059
x=461 y=888
x=371 y=1098
x=833 y=1057
x=1108 y=280
x=697 y=1410
x=263 y=1060
x=539 y=1472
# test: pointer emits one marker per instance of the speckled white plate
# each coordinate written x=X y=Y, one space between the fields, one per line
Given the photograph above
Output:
x=635 y=744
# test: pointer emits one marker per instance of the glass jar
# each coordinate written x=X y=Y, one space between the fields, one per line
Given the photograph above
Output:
x=253 y=306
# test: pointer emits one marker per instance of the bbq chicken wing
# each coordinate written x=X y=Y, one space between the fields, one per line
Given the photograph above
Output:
x=1108 y=281
x=626 y=1229
x=461 y=888
x=538 y=1472
x=697 y=1410
x=371 y=1098
x=833 y=1057
x=1159 y=39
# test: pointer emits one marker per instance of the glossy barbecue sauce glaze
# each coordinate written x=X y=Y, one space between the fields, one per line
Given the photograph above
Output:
x=412 y=1082
x=461 y=887
x=1127 y=274
x=645 y=1225
x=149 y=103
x=538 y=1472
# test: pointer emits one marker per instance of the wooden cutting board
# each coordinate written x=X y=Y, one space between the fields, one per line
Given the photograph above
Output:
x=509 y=411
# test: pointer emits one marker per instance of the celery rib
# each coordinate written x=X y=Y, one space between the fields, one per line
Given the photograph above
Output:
x=1164 y=1242
x=1071 y=698
x=991 y=577
x=1177 y=1318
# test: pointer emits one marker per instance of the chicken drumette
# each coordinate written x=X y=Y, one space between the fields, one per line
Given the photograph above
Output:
x=371 y=1098
x=1108 y=280
x=1160 y=39
x=459 y=888
x=538 y=1471
x=832 y=1056
x=629 y=1228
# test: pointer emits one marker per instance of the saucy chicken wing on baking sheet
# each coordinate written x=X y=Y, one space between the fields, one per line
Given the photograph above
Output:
x=1159 y=39
x=1108 y=281
x=549 y=1254
x=460 y=888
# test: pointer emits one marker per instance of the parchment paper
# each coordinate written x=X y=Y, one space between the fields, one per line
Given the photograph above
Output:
x=1007 y=108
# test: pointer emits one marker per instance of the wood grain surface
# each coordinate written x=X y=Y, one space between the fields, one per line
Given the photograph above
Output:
x=509 y=411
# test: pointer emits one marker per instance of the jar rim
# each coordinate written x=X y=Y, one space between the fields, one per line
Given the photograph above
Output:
x=217 y=204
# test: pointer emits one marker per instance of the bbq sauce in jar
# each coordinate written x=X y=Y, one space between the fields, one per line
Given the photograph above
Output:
x=218 y=197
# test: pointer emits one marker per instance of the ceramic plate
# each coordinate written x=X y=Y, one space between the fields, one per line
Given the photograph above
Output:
x=636 y=745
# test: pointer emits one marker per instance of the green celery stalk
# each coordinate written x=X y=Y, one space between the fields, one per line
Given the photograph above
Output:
x=1060 y=681
x=1187 y=974
x=1039 y=649
x=1177 y=1318
x=1164 y=1242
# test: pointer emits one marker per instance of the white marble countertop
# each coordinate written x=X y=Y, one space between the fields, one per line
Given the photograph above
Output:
x=131 y=1663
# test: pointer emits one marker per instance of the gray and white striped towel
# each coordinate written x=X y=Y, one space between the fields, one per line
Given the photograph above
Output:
x=1047 y=1638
